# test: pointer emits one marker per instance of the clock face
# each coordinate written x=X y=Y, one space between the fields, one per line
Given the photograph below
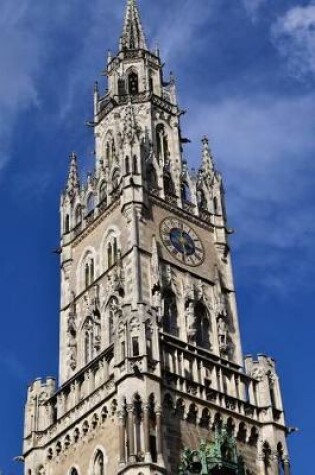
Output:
x=182 y=242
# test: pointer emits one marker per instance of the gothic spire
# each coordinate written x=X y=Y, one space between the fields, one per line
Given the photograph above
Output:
x=73 y=182
x=207 y=165
x=133 y=35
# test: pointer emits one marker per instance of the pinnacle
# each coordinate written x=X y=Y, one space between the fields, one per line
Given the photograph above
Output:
x=73 y=179
x=133 y=35
x=207 y=157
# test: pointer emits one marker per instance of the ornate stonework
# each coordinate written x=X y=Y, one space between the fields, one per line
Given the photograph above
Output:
x=152 y=377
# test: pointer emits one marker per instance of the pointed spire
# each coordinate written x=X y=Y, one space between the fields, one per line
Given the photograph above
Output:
x=207 y=165
x=133 y=35
x=73 y=182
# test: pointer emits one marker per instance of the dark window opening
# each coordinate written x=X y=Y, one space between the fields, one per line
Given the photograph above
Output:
x=133 y=83
x=135 y=346
x=153 y=448
x=121 y=87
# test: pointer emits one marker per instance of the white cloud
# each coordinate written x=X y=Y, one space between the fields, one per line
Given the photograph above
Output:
x=264 y=146
x=294 y=36
x=253 y=7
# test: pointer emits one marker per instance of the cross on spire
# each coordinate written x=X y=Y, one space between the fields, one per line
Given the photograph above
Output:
x=133 y=35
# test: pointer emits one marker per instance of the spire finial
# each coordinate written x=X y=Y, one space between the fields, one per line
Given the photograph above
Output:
x=207 y=158
x=133 y=35
x=73 y=182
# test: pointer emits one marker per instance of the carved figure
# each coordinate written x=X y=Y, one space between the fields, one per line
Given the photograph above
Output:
x=222 y=333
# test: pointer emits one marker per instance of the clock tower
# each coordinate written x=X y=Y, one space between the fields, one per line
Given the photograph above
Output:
x=152 y=378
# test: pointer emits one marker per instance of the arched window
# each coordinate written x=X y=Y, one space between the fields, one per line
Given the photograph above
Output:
x=73 y=471
x=162 y=144
x=90 y=203
x=133 y=83
x=112 y=250
x=202 y=326
x=98 y=468
x=88 y=344
x=267 y=458
x=186 y=195
x=170 y=324
x=89 y=271
x=78 y=215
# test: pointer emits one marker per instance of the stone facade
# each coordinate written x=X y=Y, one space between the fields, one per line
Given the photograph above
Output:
x=150 y=350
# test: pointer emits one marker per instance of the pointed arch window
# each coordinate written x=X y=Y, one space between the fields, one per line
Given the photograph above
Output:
x=202 y=326
x=112 y=250
x=162 y=144
x=98 y=466
x=267 y=458
x=89 y=271
x=73 y=471
x=133 y=83
x=170 y=320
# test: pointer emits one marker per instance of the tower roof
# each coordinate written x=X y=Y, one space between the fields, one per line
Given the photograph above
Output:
x=133 y=35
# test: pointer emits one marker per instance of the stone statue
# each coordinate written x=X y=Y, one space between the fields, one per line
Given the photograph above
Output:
x=222 y=333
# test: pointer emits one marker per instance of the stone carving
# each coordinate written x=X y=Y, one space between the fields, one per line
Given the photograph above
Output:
x=222 y=334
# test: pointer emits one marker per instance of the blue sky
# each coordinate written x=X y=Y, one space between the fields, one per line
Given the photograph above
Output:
x=246 y=75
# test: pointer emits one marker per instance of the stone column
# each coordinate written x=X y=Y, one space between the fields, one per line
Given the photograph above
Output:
x=146 y=428
x=131 y=439
x=122 y=438
x=159 y=435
